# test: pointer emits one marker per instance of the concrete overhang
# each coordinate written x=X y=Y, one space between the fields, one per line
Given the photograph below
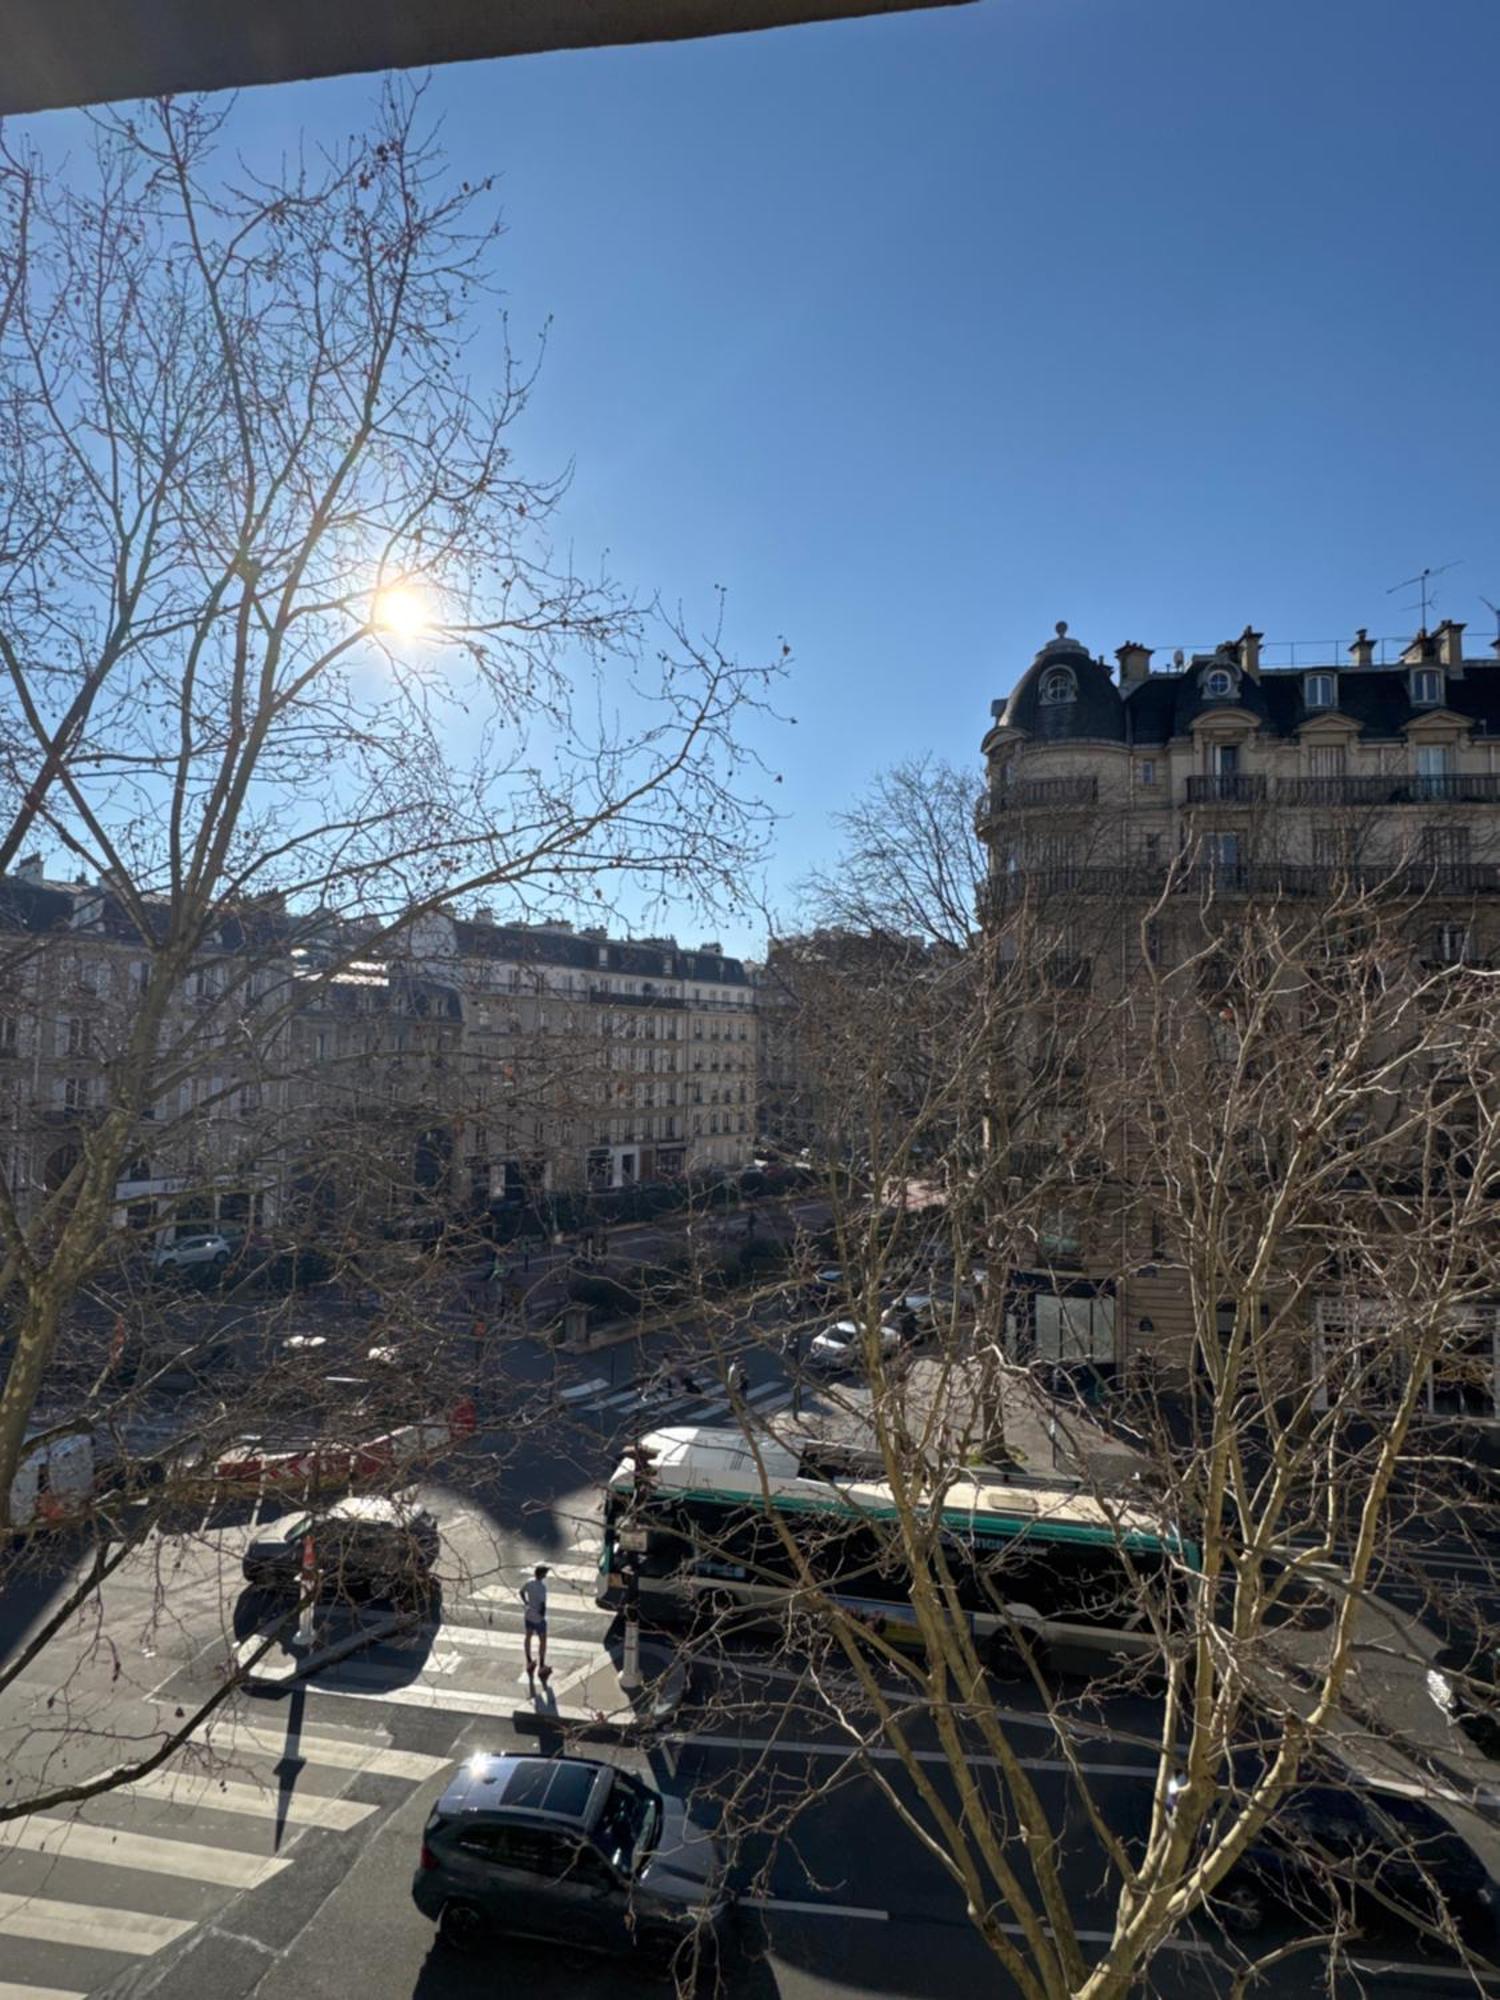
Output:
x=56 y=53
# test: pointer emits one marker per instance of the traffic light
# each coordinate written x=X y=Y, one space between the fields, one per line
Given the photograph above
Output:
x=642 y=1468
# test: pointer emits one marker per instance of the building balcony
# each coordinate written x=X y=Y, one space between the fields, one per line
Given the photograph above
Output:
x=1048 y=794
x=598 y=995
x=1392 y=789
x=1235 y=788
x=1245 y=878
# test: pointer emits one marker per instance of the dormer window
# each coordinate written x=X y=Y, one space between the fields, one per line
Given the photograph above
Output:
x=1426 y=687
x=1218 y=684
x=1320 y=691
x=1058 y=685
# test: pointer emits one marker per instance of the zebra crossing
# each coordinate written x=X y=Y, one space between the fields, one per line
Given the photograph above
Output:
x=692 y=1405
x=473 y=1662
x=89 y=1891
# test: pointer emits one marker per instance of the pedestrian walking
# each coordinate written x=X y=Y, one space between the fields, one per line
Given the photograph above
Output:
x=534 y=1610
x=734 y=1379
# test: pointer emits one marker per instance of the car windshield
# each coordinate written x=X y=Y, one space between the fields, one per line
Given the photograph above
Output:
x=630 y=1824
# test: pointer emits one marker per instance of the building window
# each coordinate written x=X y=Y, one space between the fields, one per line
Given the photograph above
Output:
x=1333 y=846
x=1224 y=760
x=1447 y=846
x=1320 y=691
x=1452 y=942
x=1222 y=850
x=8 y=1038
x=1151 y=850
x=1218 y=684
x=1434 y=762
x=1058 y=685
x=1426 y=687
x=1146 y=771
x=1326 y=760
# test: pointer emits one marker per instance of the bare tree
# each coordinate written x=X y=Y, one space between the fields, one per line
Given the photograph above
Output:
x=282 y=633
x=910 y=863
x=1263 y=1122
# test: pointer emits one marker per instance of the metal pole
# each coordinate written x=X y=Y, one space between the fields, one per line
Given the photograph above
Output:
x=630 y=1669
x=309 y=1591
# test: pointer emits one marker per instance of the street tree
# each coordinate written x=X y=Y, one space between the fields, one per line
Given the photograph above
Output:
x=1204 y=1254
x=290 y=666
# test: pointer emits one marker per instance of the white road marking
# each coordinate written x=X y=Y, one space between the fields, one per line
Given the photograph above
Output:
x=503 y=1596
x=577 y=1389
x=193 y=1793
x=49 y=1922
x=490 y=1640
x=334 y=1752
x=76 y=1840
x=452 y=1701
x=10 y=1991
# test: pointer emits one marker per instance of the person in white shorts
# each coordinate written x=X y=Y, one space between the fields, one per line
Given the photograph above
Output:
x=534 y=1607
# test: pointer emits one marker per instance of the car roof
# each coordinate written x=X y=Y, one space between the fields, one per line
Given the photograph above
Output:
x=377 y=1510
x=531 y=1790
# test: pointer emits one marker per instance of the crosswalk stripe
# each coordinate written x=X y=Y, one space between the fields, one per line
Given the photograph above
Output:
x=193 y=1792
x=10 y=1991
x=330 y=1751
x=49 y=1922
x=502 y=1641
x=451 y=1700
x=75 y=1840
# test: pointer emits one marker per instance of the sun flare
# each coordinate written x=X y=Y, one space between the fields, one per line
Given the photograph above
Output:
x=401 y=611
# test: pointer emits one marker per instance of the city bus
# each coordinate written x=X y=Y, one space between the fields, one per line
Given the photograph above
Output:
x=1076 y=1576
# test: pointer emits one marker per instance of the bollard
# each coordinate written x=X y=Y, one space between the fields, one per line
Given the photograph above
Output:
x=309 y=1590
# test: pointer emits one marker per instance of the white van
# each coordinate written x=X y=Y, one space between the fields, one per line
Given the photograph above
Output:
x=55 y=1478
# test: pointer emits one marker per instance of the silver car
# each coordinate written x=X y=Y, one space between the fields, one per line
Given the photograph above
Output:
x=203 y=1250
x=569 y=1850
x=839 y=1348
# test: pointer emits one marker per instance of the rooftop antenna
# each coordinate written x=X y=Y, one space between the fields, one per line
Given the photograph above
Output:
x=1422 y=582
x=1495 y=608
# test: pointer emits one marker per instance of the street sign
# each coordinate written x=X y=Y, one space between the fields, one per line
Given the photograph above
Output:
x=631 y=1541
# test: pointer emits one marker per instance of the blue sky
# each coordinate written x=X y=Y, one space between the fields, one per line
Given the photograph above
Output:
x=919 y=333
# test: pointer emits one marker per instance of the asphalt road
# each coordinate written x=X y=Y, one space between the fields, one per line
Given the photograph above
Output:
x=276 y=1861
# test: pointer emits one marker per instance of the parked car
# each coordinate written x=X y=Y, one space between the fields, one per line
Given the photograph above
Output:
x=839 y=1347
x=1390 y=1857
x=1464 y=1681
x=57 y=1477
x=201 y=1251
x=568 y=1850
x=364 y=1547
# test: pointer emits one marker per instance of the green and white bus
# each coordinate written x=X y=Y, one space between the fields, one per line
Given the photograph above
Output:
x=1075 y=1575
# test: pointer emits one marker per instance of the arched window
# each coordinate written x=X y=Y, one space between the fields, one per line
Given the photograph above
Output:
x=1218 y=684
x=1058 y=685
x=1319 y=691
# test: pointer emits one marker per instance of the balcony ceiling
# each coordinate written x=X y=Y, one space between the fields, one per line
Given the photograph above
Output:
x=72 y=52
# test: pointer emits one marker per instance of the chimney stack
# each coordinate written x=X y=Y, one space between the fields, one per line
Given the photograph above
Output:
x=1135 y=663
x=1450 y=643
x=1363 y=649
x=1247 y=649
